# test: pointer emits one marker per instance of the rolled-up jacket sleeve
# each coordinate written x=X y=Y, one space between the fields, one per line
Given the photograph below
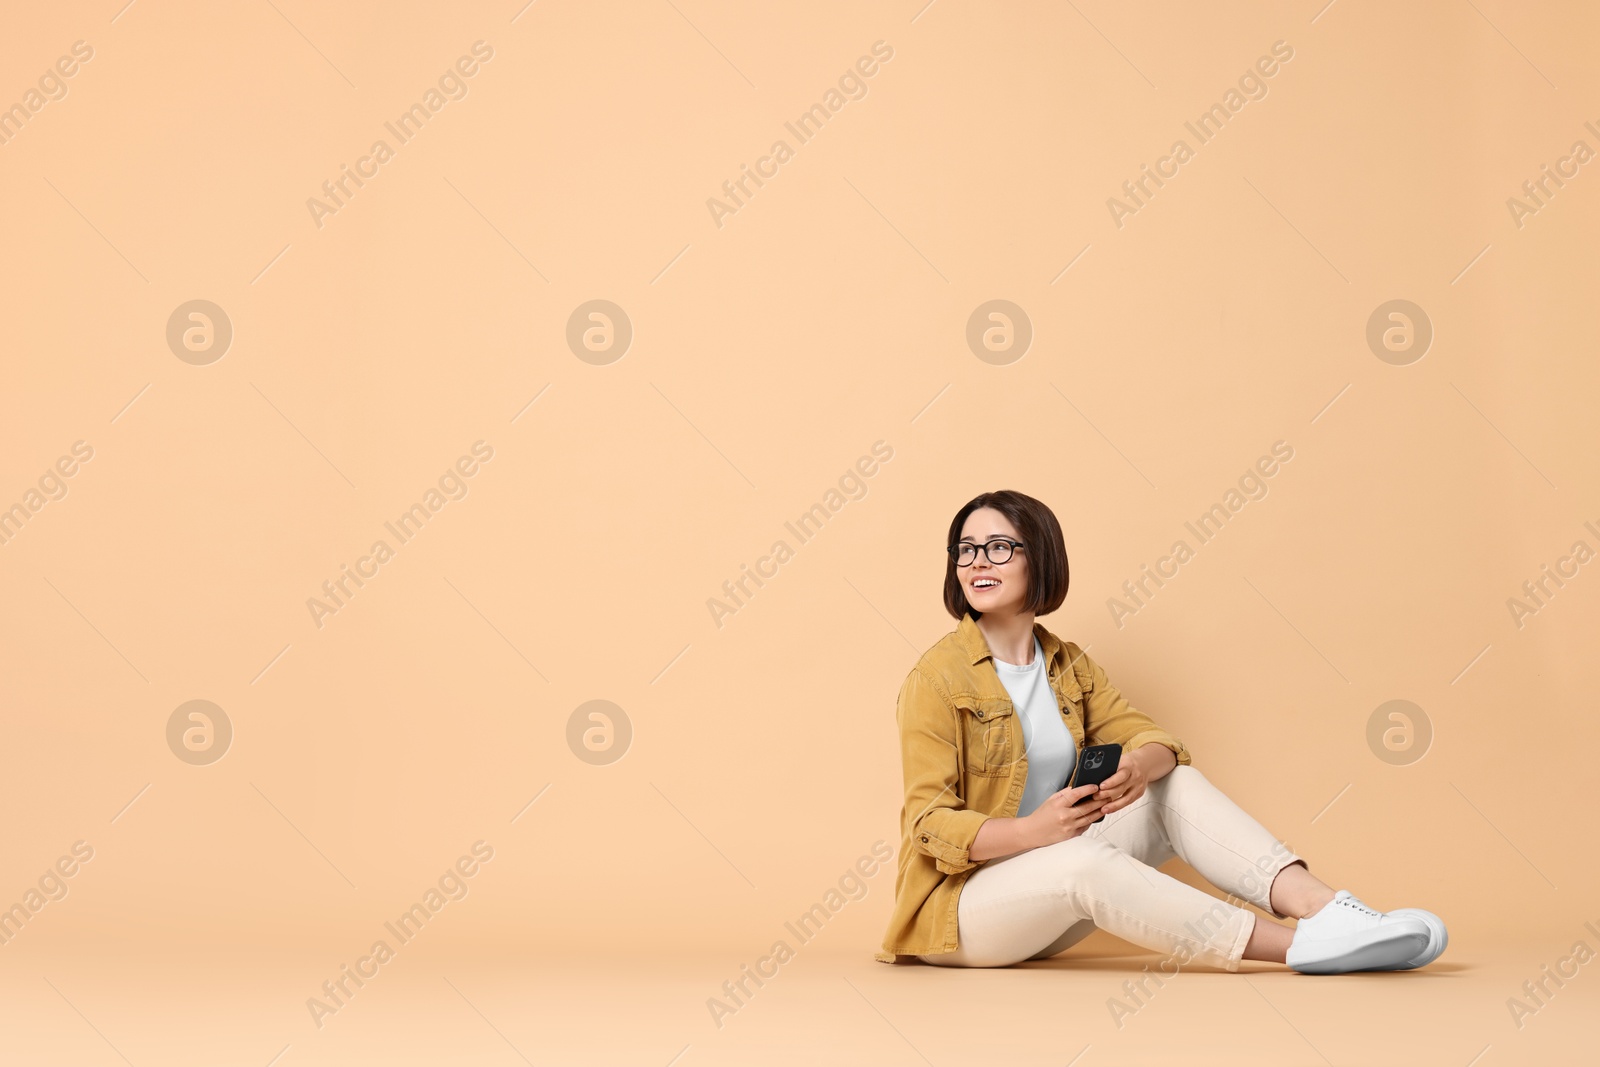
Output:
x=941 y=825
x=1109 y=717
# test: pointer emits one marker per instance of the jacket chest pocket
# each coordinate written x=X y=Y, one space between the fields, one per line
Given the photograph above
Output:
x=1069 y=698
x=990 y=730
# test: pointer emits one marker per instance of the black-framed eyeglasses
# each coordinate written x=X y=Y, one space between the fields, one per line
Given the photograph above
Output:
x=998 y=550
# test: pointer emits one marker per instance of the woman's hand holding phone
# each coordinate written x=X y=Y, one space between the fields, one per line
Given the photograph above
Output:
x=1061 y=816
x=1123 y=787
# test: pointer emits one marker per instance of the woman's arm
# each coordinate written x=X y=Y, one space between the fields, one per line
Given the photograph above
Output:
x=940 y=824
x=998 y=837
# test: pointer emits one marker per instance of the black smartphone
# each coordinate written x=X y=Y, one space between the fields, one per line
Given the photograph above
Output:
x=1095 y=764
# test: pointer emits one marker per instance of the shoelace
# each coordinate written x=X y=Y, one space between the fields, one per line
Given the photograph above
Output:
x=1359 y=906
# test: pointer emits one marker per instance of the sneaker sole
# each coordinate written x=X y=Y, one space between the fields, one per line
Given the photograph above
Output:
x=1438 y=938
x=1377 y=950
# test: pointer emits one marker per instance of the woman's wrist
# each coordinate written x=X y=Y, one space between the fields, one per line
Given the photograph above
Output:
x=1156 y=764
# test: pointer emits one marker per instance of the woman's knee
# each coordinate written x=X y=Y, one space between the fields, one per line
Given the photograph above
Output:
x=1184 y=776
x=1185 y=771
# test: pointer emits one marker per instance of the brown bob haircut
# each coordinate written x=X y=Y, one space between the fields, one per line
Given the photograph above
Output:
x=1044 y=547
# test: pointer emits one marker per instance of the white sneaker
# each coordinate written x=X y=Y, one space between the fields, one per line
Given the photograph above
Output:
x=1438 y=937
x=1346 y=935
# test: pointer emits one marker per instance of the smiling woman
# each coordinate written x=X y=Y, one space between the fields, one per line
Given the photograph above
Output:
x=1000 y=864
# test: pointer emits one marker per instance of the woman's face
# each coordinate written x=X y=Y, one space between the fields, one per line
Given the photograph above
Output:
x=993 y=588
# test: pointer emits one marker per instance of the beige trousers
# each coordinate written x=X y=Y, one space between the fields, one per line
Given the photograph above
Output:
x=1034 y=904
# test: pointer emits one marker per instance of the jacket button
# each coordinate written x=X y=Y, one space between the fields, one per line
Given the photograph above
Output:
x=980 y=714
x=924 y=837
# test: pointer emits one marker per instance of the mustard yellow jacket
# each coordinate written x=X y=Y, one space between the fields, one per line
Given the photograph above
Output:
x=963 y=759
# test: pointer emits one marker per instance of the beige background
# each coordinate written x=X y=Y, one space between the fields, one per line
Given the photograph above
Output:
x=768 y=355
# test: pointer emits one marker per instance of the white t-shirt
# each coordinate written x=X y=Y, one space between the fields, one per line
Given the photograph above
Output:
x=1045 y=736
